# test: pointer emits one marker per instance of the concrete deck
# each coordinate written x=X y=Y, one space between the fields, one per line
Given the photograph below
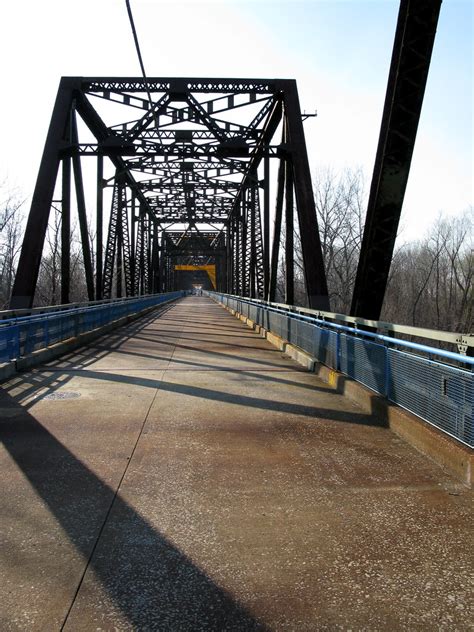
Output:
x=183 y=474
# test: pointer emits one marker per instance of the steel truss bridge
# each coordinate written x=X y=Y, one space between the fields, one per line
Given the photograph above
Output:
x=224 y=461
x=194 y=178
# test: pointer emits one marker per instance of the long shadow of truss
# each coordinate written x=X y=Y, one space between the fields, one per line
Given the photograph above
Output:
x=153 y=584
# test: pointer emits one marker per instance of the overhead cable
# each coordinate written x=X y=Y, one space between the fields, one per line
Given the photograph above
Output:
x=140 y=59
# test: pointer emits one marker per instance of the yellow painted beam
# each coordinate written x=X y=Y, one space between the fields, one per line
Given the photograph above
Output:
x=210 y=269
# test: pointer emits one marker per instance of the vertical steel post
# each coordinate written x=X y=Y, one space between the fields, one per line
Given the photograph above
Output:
x=244 y=245
x=289 y=237
x=315 y=275
x=158 y=254
x=66 y=231
x=132 y=243
x=81 y=211
x=228 y=259
x=141 y=254
x=238 y=246
x=161 y=238
x=119 y=251
x=266 y=225
x=99 y=228
x=149 y=270
x=277 y=230
x=154 y=260
x=252 y=207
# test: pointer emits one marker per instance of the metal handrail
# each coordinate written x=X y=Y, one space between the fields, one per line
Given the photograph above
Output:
x=458 y=339
x=66 y=307
x=449 y=355
x=25 y=334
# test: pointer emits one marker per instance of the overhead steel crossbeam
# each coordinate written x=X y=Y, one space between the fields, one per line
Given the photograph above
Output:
x=185 y=155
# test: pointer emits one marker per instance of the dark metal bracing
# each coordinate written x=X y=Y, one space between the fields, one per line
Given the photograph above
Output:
x=187 y=162
x=414 y=39
x=111 y=243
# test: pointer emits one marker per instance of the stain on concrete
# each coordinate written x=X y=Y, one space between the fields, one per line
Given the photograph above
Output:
x=203 y=481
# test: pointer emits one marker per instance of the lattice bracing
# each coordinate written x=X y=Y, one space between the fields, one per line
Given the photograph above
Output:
x=189 y=153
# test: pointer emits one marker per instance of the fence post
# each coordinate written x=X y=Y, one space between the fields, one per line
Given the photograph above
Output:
x=46 y=332
x=16 y=348
x=338 y=351
x=13 y=342
x=387 y=372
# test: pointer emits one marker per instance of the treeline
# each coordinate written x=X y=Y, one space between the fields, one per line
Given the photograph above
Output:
x=430 y=283
x=431 y=280
x=11 y=235
x=48 y=289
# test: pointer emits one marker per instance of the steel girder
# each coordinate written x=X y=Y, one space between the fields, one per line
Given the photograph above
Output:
x=189 y=162
x=414 y=40
x=194 y=162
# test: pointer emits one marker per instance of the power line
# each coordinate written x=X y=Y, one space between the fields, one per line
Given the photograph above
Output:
x=140 y=59
x=135 y=37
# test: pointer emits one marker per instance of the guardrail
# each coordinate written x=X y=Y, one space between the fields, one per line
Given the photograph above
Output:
x=22 y=335
x=462 y=342
x=8 y=314
x=431 y=383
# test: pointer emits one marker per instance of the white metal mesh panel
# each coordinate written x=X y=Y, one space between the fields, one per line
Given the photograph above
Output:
x=364 y=361
x=440 y=394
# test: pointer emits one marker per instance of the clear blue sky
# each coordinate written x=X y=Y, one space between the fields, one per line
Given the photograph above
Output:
x=339 y=51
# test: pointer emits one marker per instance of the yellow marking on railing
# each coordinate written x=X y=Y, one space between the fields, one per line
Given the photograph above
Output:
x=332 y=380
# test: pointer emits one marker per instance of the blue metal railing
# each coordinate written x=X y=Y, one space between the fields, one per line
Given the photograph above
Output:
x=432 y=383
x=25 y=334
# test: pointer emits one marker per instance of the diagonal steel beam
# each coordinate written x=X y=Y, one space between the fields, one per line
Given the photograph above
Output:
x=102 y=133
x=35 y=233
x=315 y=275
x=414 y=40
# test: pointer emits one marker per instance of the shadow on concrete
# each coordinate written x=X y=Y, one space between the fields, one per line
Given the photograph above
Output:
x=379 y=405
x=240 y=400
x=152 y=583
x=49 y=379
x=57 y=373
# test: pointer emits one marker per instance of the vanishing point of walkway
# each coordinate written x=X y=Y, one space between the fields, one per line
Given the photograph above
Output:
x=182 y=474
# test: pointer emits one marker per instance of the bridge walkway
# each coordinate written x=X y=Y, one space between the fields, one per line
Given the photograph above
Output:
x=183 y=474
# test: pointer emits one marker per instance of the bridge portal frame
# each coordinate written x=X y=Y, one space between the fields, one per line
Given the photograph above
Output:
x=131 y=259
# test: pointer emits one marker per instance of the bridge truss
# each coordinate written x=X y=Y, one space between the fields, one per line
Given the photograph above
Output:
x=191 y=160
x=194 y=164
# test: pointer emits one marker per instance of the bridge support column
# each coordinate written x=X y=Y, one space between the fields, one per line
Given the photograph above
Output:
x=289 y=238
x=66 y=230
x=99 y=228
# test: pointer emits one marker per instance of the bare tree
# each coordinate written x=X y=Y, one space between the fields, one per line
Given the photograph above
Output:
x=48 y=289
x=11 y=229
x=340 y=203
x=431 y=281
